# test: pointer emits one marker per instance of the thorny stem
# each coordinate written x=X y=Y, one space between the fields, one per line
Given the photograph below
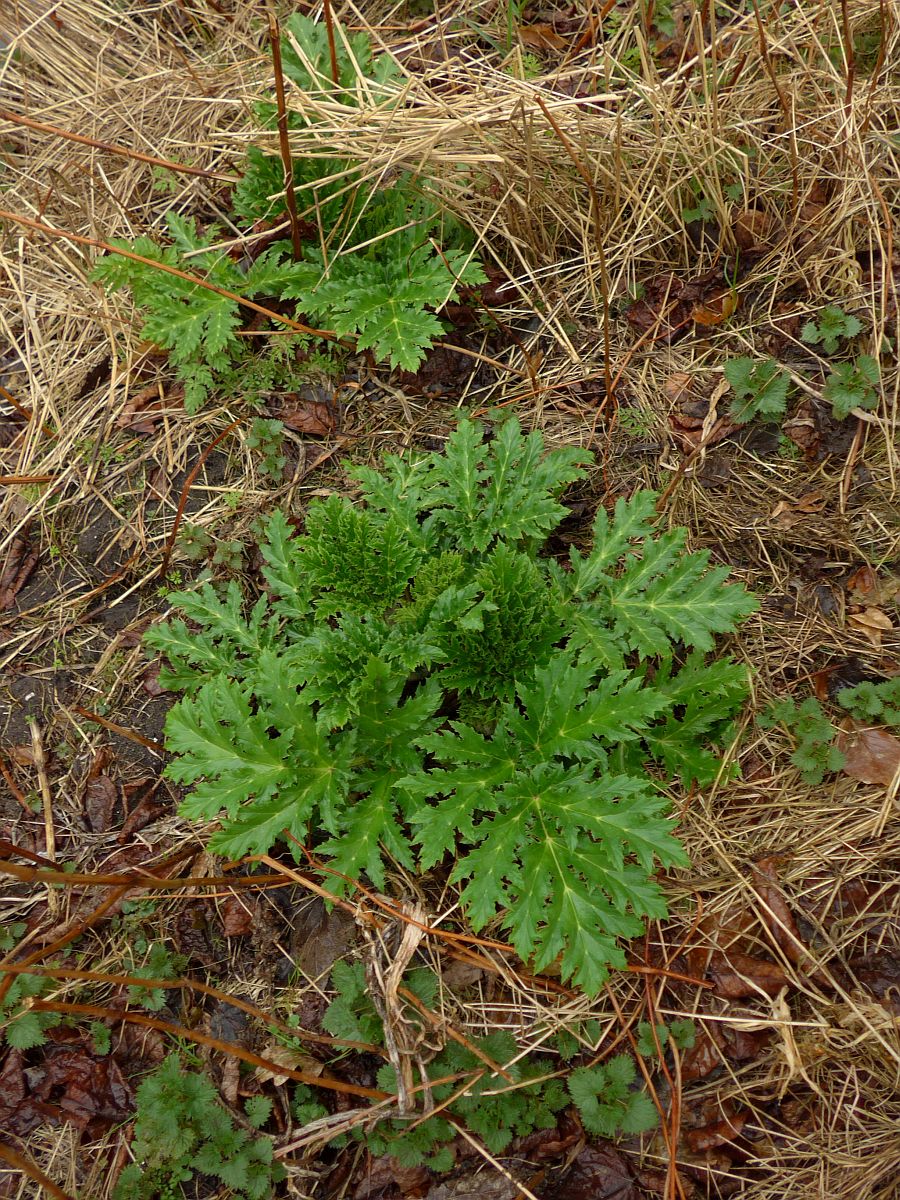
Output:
x=290 y=198
x=194 y=1035
x=332 y=52
x=110 y=148
x=82 y=240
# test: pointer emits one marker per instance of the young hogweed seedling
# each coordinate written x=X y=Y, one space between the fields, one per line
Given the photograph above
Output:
x=814 y=753
x=378 y=262
x=870 y=701
x=420 y=682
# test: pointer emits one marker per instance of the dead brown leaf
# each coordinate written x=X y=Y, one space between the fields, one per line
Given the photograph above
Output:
x=143 y=412
x=541 y=37
x=754 y=229
x=21 y=560
x=776 y=915
x=145 y=810
x=741 y=975
x=718 y=1133
x=690 y=434
x=677 y=385
x=310 y=417
x=150 y=680
x=319 y=938
x=870 y=755
x=99 y=803
x=286 y=1056
x=743 y=1046
x=22 y=756
x=702 y=1058
x=237 y=916
x=382 y=1173
x=716 y=309
x=868 y=588
x=880 y=973
x=803 y=430
x=862 y=581
x=598 y=1172
x=443 y=372
x=73 y=1085
x=873 y=622
x=788 y=513
x=550 y=1143
x=663 y=309
x=19 y=1112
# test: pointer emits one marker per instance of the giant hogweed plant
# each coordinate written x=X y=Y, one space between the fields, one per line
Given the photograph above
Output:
x=421 y=683
x=377 y=265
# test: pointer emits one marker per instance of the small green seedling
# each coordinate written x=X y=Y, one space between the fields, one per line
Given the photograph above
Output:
x=760 y=388
x=814 y=755
x=682 y=1033
x=183 y=1131
x=10 y=935
x=853 y=385
x=377 y=265
x=194 y=542
x=25 y=1026
x=159 y=963
x=266 y=439
x=606 y=1100
x=495 y=1107
x=873 y=701
x=831 y=328
x=702 y=210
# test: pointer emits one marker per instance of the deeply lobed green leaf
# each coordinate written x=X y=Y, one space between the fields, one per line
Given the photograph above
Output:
x=421 y=684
